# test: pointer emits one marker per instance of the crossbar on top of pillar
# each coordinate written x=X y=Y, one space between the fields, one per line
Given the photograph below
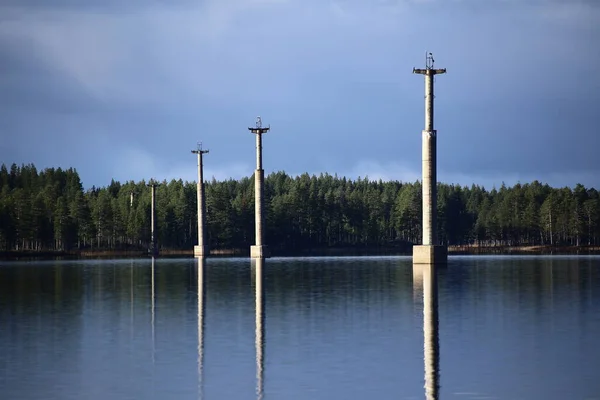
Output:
x=199 y=150
x=429 y=71
x=258 y=128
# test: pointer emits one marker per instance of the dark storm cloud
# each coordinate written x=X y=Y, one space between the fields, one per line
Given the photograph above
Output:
x=530 y=138
x=28 y=83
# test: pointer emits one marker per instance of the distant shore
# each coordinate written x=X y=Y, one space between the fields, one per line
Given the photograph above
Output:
x=315 y=252
x=467 y=250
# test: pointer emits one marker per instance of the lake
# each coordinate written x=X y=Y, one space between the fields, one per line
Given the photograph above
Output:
x=497 y=327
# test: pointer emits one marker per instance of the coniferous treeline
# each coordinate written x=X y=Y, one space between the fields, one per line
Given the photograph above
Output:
x=49 y=210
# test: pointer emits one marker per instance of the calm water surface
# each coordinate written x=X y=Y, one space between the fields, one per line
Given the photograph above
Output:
x=314 y=328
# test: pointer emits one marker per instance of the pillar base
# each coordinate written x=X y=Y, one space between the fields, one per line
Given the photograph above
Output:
x=429 y=254
x=201 y=251
x=260 y=251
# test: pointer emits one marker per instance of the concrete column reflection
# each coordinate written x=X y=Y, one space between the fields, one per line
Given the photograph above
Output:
x=258 y=272
x=417 y=283
x=152 y=308
x=131 y=325
x=201 y=309
x=425 y=279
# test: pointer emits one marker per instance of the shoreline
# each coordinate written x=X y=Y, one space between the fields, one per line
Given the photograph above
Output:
x=315 y=252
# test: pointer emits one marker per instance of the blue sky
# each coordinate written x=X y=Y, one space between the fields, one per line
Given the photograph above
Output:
x=125 y=89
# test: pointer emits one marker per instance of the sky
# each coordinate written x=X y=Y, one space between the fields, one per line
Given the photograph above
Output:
x=126 y=89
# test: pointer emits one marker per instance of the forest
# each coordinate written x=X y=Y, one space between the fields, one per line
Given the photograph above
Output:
x=50 y=210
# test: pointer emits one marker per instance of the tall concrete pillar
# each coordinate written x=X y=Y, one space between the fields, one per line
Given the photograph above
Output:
x=153 y=246
x=201 y=250
x=429 y=168
x=429 y=252
x=258 y=190
x=260 y=325
x=259 y=250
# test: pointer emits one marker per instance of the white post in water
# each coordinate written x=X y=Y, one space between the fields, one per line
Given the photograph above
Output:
x=429 y=252
x=259 y=250
x=153 y=246
x=201 y=250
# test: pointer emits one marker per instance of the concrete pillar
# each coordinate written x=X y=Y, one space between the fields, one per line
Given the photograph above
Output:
x=152 y=238
x=429 y=168
x=429 y=252
x=429 y=158
x=201 y=250
x=429 y=188
x=259 y=250
x=258 y=190
x=259 y=151
x=260 y=325
x=153 y=246
x=429 y=101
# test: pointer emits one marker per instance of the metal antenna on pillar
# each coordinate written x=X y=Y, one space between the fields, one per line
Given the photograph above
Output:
x=429 y=60
x=258 y=128
x=429 y=70
x=199 y=149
